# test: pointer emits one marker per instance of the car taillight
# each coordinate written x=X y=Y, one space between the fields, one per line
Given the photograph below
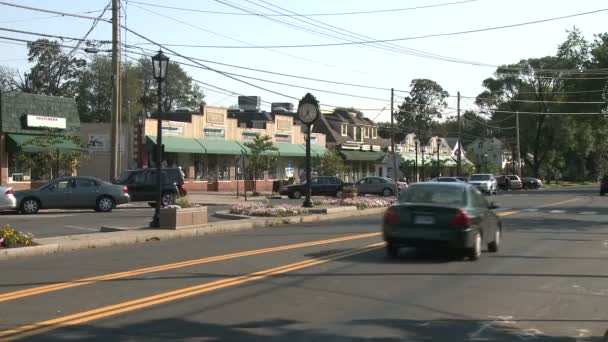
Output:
x=462 y=219
x=391 y=216
x=125 y=189
x=9 y=191
x=181 y=186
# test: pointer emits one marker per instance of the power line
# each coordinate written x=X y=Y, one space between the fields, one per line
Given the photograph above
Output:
x=308 y=14
x=405 y=38
x=91 y=29
x=485 y=124
x=43 y=18
x=49 y=35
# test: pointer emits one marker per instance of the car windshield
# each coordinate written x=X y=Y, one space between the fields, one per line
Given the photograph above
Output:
x=434 y=194
x=123 y=177
x=480 y=177
x=512 y=177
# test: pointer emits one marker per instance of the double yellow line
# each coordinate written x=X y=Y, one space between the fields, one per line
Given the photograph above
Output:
x=112 y=310
x=114 y=276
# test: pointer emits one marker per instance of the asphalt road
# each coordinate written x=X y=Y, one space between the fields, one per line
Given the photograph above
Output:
x=548 y=283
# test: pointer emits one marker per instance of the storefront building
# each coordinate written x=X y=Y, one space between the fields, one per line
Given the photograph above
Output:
x=210 y=147
x=31 y=125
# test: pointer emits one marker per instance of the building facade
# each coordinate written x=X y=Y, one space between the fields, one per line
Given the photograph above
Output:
x=489 y=150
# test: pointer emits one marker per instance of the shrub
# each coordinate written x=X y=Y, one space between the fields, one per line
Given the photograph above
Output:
x=184 y=202
x=359 y=202
x=10 y=237
x=266 y=210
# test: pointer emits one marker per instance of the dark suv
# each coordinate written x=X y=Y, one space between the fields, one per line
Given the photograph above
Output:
x=324 y=186
x=141 y=184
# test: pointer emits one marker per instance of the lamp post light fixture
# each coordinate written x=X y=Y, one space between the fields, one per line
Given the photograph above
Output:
x=308 y=113
x=160 y=65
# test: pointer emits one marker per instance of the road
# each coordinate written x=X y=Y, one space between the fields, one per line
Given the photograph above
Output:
x=326 y=282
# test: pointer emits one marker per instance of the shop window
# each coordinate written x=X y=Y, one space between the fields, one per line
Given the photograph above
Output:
x=223 y=170
x=259 y=124
x=344 y=130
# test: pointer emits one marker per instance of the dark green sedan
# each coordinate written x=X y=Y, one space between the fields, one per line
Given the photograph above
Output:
x=442 y=215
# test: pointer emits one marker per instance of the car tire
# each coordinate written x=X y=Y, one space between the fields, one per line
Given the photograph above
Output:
x=495 y=245
x=296 y=194
x=29 y=206
x=392 y=250
x=386 y=192
x=104 y=204
x=474 y=253
x=167 y=199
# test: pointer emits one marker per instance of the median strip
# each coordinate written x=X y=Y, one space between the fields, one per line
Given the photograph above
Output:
x=145 y=302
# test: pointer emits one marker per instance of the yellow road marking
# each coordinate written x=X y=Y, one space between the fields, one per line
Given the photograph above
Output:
x=507 y=213
x=116 y=309
x=558 y=203
x=113 y=276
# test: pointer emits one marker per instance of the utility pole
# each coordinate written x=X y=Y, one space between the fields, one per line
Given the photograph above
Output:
x=396 y=190
x=518 y=147
x=416 y=161
x=459 y=157
x=116 y=96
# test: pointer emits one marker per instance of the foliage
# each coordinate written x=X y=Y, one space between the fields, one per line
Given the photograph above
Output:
x=332 y=164
x=10 y=237
x=349 y=190
x=265 y=210
x=359 y=202
x=467 y=169
x=384 y=131
x=261 y=157
x=490 y=168
x=184 y=202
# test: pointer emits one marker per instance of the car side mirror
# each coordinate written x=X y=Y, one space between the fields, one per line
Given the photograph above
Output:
x=493 y=205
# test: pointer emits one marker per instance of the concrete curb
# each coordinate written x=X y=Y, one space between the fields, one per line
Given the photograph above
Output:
x=117 y=238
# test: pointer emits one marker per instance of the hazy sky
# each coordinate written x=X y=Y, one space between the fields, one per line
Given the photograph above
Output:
x=357 y=64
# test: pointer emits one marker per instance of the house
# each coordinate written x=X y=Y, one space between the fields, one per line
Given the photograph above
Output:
x=489 y=150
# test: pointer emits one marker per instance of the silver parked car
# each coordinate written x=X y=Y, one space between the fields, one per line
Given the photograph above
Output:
x=73 y=193
x=378 y=186
x=7 y=198
x=484 y=182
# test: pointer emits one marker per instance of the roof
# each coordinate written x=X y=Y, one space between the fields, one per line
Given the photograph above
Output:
x=452 y=142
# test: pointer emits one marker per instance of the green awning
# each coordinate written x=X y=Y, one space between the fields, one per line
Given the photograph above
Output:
x=178 y=145
x=38 y=143
x=370 y=156
x=221 y=146
x=291 y=150
x=317 y=150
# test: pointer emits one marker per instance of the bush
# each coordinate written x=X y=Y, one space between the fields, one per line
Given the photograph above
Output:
x=10 y=237
x=359 y=202
x=184 y=202
x=349 y=190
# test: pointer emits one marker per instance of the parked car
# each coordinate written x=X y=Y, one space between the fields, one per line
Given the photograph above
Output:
x=531 y=183
x=7 y=198
x=72 y=193
x=484 y=182
x=323 y=185
x=142 y=185
x=378 y=186
x=515 y=182
x=463 y=179
x=604 y=185
x=446 y=179
x=438 y=215
x=502 y=182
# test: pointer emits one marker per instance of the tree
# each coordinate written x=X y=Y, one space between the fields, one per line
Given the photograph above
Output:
x=12 y=80
x=384 y=131
x=54 y=73
x=261 y=156
x=332 y=164
x=422 y=107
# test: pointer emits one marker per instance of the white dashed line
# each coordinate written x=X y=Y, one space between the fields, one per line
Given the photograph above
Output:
x=588 y=213
x=531 y=210
x=557 y=211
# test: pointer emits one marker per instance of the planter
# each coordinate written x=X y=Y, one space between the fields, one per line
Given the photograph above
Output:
x=348 y=195
x=212 y=186
x=173 y=218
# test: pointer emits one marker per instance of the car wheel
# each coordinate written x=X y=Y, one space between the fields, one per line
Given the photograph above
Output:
x=494 y=245
x=475 y=252
x=387 y=192
x=297 y=194
x=105 y=204
x=167 y=199
x=29 y=206
x=392 y=251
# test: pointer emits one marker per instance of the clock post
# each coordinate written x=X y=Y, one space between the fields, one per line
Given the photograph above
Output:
x=308 y=113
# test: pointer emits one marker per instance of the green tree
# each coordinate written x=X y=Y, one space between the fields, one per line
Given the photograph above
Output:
x=261 y=156
x=422 y=108
x=332 y=164
x=384 y=131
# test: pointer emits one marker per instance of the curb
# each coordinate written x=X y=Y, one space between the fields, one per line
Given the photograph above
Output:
x=128 y=237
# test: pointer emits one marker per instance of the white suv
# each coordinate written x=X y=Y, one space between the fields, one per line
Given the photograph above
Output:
x=485 y=182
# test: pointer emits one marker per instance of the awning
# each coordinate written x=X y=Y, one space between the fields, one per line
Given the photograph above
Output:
x=221 y=146
x=369 y=156
x=317 y=150
x=292 y=150
x=178 y=145
x=39 y=143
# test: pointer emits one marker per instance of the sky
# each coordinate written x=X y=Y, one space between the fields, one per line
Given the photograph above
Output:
x=354 y=64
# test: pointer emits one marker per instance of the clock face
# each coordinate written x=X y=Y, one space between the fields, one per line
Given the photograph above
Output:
x=307 y=113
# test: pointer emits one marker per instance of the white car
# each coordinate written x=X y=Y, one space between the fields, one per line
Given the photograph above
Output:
x=7 y=198
x=485 y=182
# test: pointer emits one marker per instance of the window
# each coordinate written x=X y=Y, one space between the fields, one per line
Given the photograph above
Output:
x=374 y=132
x=478 y=200
x=62 y=185
x=85 y=183
x=259 y=124
x=344 y=130
x=366 y=132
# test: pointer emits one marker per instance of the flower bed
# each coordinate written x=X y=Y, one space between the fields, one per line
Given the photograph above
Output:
x=10 y=237
x=359 y=202
x=266 y=210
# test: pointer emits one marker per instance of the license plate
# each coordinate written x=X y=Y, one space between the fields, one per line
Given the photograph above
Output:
x=418 y=219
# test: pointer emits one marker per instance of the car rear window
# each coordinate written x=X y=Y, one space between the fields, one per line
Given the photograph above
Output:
x=449 y=195
x=512 y=177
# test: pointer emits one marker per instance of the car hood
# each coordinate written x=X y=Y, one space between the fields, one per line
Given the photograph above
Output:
x=479 y=182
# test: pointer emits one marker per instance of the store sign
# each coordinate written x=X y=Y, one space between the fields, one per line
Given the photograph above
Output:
x=215 y=133
x=173 y=130
x=282 y=138
x=248 y=136
x=99 y=142
x=46 y=121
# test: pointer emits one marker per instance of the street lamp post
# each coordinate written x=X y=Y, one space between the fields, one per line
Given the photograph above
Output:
x=416 y=142
x=422 y=150
x=308 y=113
x=485 y=162
x=160 y=64
x=438 y=146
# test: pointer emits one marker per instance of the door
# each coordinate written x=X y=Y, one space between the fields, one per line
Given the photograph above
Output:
x=482 y=214
x=362 y=186
x=136 y=186
x=316 y=186
x=57 y=195
x=85 y=193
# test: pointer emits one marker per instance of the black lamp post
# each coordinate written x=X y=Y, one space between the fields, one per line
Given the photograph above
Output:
x=308 y=113
x=438 y=146
x=160 y=64
x=422 y=150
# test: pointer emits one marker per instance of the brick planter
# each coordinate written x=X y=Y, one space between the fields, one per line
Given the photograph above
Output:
x=173 y=218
